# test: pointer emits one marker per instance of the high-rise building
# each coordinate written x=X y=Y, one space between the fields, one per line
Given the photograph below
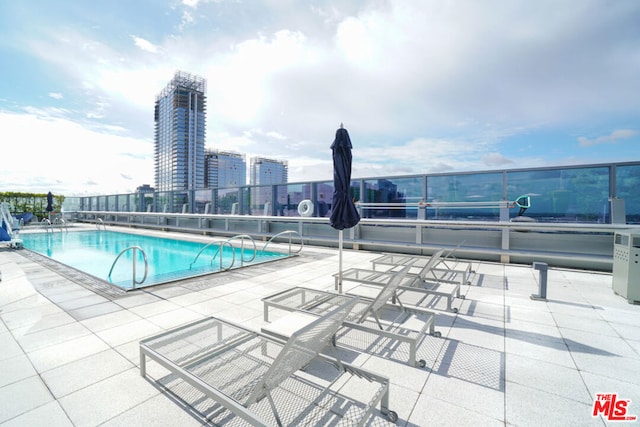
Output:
x=179 y=115
x=264 y=174
x=268 y=171
x=225 y=169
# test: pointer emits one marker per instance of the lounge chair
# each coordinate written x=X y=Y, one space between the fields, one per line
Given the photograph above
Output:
x=446 y=267
x=259 y=379
x=423 y=282
x=370 y=315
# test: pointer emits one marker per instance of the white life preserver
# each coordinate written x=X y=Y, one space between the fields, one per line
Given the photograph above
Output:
x=305 y=208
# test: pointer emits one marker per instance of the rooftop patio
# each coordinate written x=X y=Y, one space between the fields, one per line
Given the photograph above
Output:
x=70 y=353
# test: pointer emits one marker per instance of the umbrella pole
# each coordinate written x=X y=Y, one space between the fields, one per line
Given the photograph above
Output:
x=340 y=261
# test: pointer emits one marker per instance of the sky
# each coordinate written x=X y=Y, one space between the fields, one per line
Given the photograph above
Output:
x=422 y=86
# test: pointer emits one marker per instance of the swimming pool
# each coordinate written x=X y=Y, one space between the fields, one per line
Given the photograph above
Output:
x=94 y=253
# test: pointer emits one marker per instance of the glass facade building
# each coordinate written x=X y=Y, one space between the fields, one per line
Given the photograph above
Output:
x=179 y=115
x=265 y=175
x=225 y=169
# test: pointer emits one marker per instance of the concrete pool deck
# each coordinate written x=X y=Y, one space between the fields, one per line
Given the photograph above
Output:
x=70 y=355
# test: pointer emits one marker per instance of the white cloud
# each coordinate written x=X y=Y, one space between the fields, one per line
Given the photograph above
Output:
x=56 y=95
x=145 y=45
x=612 y=138
x=66 y=158
x=424 y=86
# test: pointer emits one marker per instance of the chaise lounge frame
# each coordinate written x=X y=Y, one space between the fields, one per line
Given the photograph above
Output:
x=366 y=314
x=209 y=355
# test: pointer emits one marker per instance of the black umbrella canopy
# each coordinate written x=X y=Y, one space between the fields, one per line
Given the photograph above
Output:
x=49 y=202
x=343 y=211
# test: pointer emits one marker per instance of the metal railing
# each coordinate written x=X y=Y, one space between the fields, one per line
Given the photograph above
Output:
x=242 y=238
x=567 y=244
x=220 y=252
x=46 y=224
x=100 y=222
x=146 y=264
x=284 y=233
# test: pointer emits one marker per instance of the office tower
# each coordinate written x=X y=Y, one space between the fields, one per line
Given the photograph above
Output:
x=225 y=169
x=264 y=174
x=180 y=113
x=268 y=171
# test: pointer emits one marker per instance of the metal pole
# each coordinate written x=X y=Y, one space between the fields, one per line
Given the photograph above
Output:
x=134 y=268
x=340 y=261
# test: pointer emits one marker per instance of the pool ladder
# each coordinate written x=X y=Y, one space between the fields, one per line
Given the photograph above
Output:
x=135 y=258
x=221 y=244
x=289 y=233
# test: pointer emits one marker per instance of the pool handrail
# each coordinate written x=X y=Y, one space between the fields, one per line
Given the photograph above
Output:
x=289 y=232
x=219 y=251
x=146 y=264
x=46 y=223
x=242 y=238
x=100 y=222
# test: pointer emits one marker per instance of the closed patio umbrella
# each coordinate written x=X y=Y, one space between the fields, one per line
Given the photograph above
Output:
x=49 y=203
x=343 y=211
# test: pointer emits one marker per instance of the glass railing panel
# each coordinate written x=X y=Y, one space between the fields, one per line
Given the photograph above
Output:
x=387 y=192
x=228 y=201
x=201 y=198
x=628 y=189
x=163 y=202
x=560 y=195
x=471 y=194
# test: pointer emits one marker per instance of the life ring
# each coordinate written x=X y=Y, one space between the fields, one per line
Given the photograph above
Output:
x=305 y=208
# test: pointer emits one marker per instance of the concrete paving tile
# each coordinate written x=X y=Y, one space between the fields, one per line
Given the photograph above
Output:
x=627 y=332
x=94 y=310
x=75 y=303
x=49 y=415
x=15 y=369
x=172 y=319
x=547 y=377
x=136 y=298
x=526 y=406
x=82 y=373
x=587 y=342
x=533 y=329
x=133 y=331
x=28 y=316
x=620 y=368
x=430 y=410
x=469 y=395
x=46 y=322
x=110 y=320
x=56 y=355
x=158 y=411
x=20 y=397
x=44 y=338
x=551 y=350
x=153 y=308
x=116 y=394
x=400 y=374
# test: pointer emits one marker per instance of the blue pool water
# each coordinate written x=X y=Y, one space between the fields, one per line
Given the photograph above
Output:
x=94 y=252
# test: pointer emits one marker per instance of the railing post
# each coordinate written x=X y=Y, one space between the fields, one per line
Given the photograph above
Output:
x=135 y=257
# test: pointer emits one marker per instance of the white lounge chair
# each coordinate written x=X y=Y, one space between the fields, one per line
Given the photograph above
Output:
x=258 y=378
x=423 y=282
x=445 y=267
x=401 y=323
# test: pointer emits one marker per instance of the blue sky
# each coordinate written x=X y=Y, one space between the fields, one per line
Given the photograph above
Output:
x=422 y=86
